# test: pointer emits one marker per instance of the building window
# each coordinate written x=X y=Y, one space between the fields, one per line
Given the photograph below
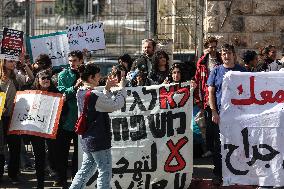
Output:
x=50 y=10
x=45 y=11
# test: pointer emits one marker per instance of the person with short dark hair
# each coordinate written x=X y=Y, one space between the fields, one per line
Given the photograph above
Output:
x=96 y=141
x=214 y=82
x=68 y=83
x=250 y=59
x=42 y=62
x=205 y=64
x=126 y=61
x=268 y=61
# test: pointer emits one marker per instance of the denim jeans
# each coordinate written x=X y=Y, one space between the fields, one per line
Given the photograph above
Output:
x=100 y=160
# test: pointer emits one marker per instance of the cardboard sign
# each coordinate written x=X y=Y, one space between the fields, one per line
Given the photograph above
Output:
x=55 y=45
x=36 y=113
x=152 y=138
x=88 y=36
x=252 y=128
x=2 y=102
x=12 y=44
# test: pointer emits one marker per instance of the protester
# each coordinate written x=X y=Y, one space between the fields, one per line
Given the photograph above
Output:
x=145 y=60
x=126 y=61
x=215 y=92
x=160 y=68
x=42 y=82
x=96 y=141
x=10 y=82
x=68 y=83
x=175 y=74
x=205 y=64
x=268 y=60
x=42 y=62
x=250 y=59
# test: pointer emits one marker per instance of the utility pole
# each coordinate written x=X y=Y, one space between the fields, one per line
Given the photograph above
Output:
x=33 y=18
x=27 y=18
x=152 y=12
x=90 y=10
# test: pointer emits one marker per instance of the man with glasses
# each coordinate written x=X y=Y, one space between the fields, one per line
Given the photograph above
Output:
x=204 y=66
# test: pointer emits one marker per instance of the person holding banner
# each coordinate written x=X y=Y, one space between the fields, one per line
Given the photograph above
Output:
x=176 y=74
x=145 y=60
x=205 y=64
x=68 y=83
x=42 y=82
x=96 y=141
x=160 y=68
x=215 y=93
x=10 y=82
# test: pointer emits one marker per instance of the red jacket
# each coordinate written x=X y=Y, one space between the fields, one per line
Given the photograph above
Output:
x=201 y=76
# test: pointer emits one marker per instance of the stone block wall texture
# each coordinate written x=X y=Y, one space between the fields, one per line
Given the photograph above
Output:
x=248 y=24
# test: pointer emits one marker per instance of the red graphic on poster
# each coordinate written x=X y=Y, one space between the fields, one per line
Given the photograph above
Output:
x=174 y=153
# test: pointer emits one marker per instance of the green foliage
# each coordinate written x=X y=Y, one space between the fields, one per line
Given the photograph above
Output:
x=69 y=7
x=12 y=9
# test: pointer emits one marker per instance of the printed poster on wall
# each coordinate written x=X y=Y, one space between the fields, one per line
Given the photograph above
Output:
x=12 y=44
x=55 y=45
x=88 y=36
x=36 y=113
x=252 y=128
x=152 y=139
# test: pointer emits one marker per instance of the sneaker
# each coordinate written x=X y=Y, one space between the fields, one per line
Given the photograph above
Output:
x=207 y=154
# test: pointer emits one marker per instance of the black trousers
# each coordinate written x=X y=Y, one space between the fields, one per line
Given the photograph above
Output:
x=213 y=142
x=63 y=143
x=38 y=144
x=209 y=129
x=14 y=145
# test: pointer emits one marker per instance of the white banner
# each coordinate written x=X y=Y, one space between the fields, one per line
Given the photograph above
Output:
x=55 y=45
x=152 y=139
x=88 y=36
x=36 y=113
x=252 y=128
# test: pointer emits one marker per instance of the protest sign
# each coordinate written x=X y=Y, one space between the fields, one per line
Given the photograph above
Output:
x=88 y=36
x=36 y=113
x=55 y=45
x=252 y=128
x=12 y=44
x=2 y=102
x=152 y=139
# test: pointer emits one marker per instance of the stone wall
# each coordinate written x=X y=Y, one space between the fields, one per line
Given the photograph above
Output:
x=248 y=24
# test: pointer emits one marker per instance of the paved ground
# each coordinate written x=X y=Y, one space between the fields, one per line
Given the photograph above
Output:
x=202 y=169
x=202 y=176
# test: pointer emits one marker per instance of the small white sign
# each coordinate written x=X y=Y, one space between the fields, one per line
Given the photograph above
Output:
x=88 y=36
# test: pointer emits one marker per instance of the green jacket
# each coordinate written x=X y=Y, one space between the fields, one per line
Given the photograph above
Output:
x=66 y=81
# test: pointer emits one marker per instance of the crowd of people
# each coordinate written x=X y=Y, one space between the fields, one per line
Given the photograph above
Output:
x=153 y=67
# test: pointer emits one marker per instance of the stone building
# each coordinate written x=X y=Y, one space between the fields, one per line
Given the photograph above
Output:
x=248 y=24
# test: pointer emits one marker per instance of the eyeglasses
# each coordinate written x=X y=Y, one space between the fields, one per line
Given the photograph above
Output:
x=212 y=47
x=44 y=78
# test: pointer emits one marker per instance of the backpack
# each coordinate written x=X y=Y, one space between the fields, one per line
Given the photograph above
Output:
x=81 y=123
